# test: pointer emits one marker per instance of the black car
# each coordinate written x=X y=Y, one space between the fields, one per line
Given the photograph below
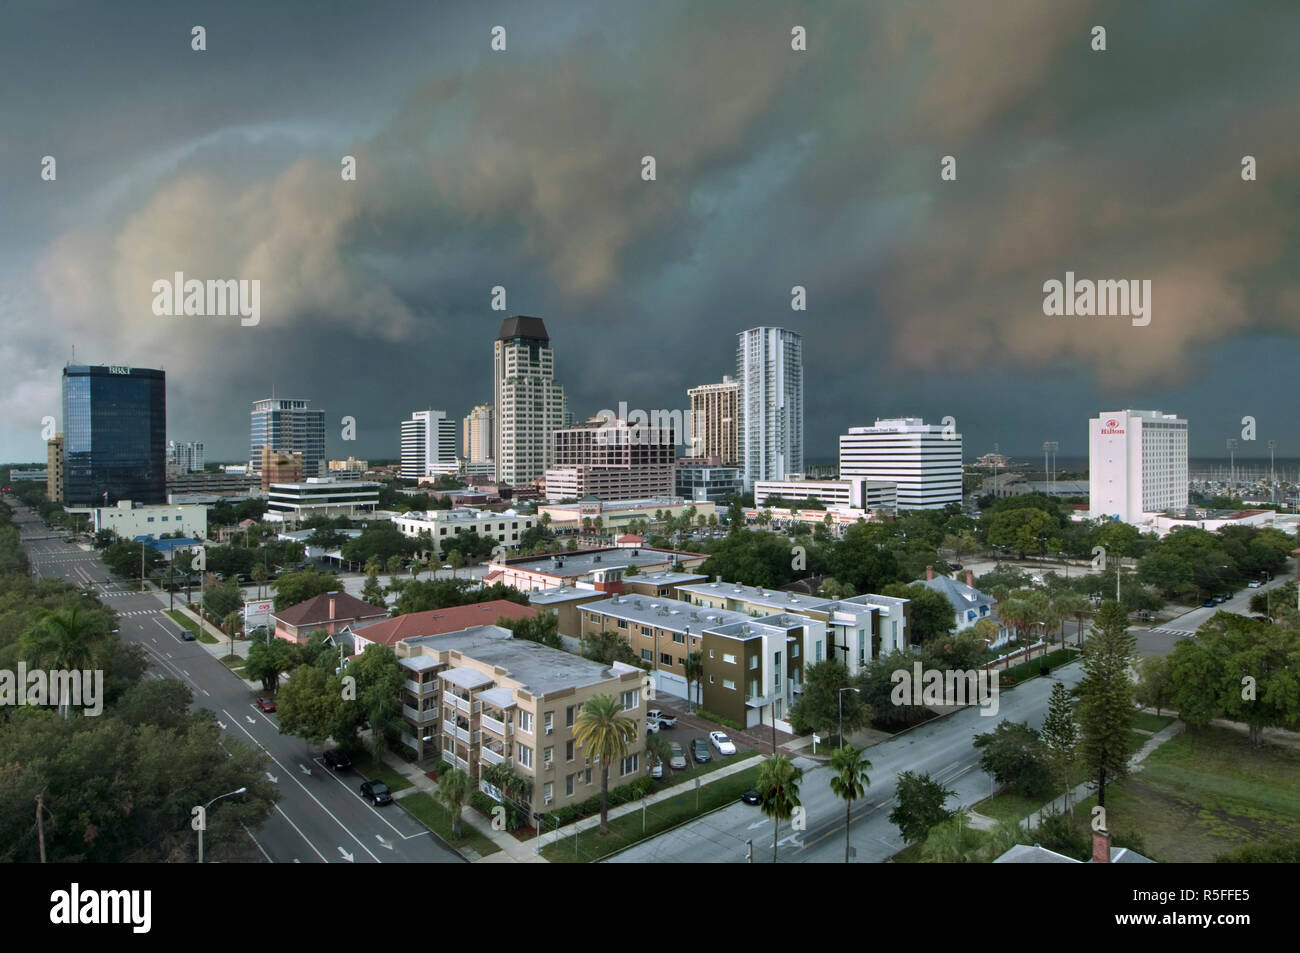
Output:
x=336 y=759
x=376 y=791
x=700 y=750
x=189 y=636
x=751 y=797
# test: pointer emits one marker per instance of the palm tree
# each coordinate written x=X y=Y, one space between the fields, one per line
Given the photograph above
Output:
x=454 y=789
x=949 y=842
x=657 y=747
x=605 y=733
x=849 y=781
x=258 y=574
x=778 y=787
x=694 y=667
x=63 y=639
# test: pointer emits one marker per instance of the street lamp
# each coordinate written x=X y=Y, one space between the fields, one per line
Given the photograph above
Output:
x=205 y=816
x=840 y=699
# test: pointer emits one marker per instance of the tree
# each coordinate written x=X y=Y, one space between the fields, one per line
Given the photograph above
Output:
x=1022 y=530
x=920 y=806
x=373 y=592
x=849 y=781
x=778 y=790
x=454 y=789
x=64 y=639
x=657 y=748
x=930 y=615
x=951 y=841
x=542 y=628
x=876 y=683
x=604 y=733
x=308 y=705
x=1155 y=682
x=456 y=561
x=267 y=660
x=694 y=669
x=1061 y=739
x=1106 y=697
x=1015 y=756
x=295 y=587
x=259 y=575
x=222 y=599
x=606 y=647
x=858 y=561
x=818 y=708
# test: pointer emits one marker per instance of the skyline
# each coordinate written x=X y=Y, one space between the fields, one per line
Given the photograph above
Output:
x=522 y=170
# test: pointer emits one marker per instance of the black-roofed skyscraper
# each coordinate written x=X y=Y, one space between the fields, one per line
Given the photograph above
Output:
x=529 y=404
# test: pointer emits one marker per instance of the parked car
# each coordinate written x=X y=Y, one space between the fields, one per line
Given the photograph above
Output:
x=188 y=636
x=1208 y=604
x=377 y=792
x=651 y=726
x=265 y=704
x=1222 y=597
x=700 y=750
x=720 y=741
x=664 y=719
x=656 y=769
x=1254 y=584
x=751 y=797
x=336 y=759
x=677 y=761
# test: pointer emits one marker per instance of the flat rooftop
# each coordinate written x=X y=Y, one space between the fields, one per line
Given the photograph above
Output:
x=586 y=561
x=780 y=601
x=539 y=669
x=665 y=613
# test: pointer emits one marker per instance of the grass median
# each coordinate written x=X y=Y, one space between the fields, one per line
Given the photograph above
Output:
x=373 y=770
x=438 y=819
x=185 y=622
x=627 y=830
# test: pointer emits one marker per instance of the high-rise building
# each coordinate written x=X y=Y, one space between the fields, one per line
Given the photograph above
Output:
x=114 y=435
x=714 y=421
x=428 y=445
x=291 y=426
x=1137 y=464
x=186 y=456
x=529 y=404
x=923 y=459
x=769 y=404
x=612 y=460
x=477 y=438
x=54 y=469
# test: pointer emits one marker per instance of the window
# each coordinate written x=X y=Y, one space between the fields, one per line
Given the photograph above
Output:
x=548 y=755
x=622 y=623
x=163 y=518
x=665 y=658
x=568 y=716
x=630 y=700
x=817 y=651
x=753 y=662
x=568 y=751
x=628 y=765
x=862 y=648
x=149 y=518
x=647 y=631
x=728 y=683
x=728 y=658
x=710 y=679
x=794 y=650
x=548 y=720
x=588 y=777
x=753 y=688
x=548 y=791
x=710 y=653
x=524 y=719
x=647 y=655
x=679 y=638
x=568 y=785
x=525 y=756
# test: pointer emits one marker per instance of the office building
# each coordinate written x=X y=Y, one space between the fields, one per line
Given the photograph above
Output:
x=714 y=422
x=428 y=445
x=279 y=466
x=185 y=456
x=923 y=459
x=611 y=516
x=133 y=520
x=529 y=405
x=769 y=404
x=294 y=502
x=856 y=493
x=610 y=459
x=476 y=438
x=54 y=469
x=1137 y=464
x=701 y=481
x=479 y=698
x=290 y=426
x=114 y=435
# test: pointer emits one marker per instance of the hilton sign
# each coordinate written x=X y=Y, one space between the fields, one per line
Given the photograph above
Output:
x=1111 y=426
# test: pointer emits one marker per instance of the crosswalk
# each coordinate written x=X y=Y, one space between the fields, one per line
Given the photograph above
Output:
x=1176 y=633
x=134 y=612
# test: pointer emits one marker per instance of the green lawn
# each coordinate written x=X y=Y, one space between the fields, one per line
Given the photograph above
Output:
x=1207 y=793
x=626 y=830
x=233 y=661
x=373 y=770
x=436 y=817
x=186 y=622
x=673 y=778
x=1152 y=723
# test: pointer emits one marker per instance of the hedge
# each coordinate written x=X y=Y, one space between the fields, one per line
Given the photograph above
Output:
x=623 y=794
x=725 y=722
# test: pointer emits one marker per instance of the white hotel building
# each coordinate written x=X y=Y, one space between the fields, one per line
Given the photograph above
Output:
x=1137 y=464
x=428 y=445
x=921 y=458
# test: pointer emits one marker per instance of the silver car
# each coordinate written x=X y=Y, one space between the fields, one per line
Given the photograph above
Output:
x=678 y=759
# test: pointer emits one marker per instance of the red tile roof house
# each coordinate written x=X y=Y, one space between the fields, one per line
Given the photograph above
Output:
x=330 y=612
x=435 y=622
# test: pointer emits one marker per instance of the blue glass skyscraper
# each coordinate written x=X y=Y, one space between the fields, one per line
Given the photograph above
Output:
x=114 y=435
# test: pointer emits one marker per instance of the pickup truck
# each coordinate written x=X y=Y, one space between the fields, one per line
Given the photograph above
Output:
x=664 y=719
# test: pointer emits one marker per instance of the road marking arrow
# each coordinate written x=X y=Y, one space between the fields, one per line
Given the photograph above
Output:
x=222 y=725
x=346 y=855
x=251 y=721
x=384 y=843
x=305 y=769
x=272 y=778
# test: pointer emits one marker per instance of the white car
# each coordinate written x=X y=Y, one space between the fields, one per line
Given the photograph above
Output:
x=720 y=741
x=651 y=726
x=1254 y=585
x=662 y=719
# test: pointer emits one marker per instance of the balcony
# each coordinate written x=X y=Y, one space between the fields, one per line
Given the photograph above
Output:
x=499 y=728
x=422 y=689
x=455 y=761
x=468 y=737
x=465 y=705
x=492 y=756
x=420 y=717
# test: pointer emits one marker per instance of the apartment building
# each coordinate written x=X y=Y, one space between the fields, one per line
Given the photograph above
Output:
x=54 y=469
x=476 y=439
x=185 y=455
x=480 y=697
x=602 y=567
x=565 y=602
x=714 y=421
x=769 y=403
x=443 y=525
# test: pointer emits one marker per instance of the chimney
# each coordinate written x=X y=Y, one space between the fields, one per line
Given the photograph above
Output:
x=970 y=578
x=1101 y=846
x=929 y=573
x=331 y=607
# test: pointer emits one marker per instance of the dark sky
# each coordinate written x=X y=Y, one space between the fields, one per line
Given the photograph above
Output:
x=775 y=168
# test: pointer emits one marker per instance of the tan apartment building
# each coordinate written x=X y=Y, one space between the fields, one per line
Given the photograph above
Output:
x=480 y=697
x=54 y=469
x=564 y=602
x=714 y=417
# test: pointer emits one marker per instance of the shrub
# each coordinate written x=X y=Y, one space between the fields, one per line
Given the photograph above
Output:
x=725 y=722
